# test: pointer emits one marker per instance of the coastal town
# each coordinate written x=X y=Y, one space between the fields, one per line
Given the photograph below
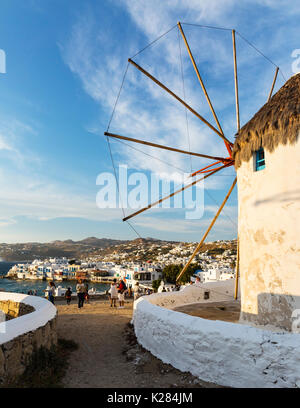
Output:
x=128 y=262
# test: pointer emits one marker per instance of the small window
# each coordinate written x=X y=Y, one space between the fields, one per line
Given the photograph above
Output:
x=260 y=159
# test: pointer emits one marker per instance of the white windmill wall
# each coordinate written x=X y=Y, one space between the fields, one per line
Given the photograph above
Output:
x=269 y=236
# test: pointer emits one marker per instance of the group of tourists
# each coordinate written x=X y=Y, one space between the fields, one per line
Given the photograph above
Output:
x=117 y=292
x=81 y=290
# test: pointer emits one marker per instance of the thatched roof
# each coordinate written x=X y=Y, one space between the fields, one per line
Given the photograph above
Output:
x=277 y=122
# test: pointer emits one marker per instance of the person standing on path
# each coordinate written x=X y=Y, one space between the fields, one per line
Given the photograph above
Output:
x=68 y=296
x=121 y=293
x=80 y=289
x=113 y=293
x=51 y=291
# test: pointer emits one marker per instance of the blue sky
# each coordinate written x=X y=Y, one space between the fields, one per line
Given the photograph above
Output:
x=64 y=66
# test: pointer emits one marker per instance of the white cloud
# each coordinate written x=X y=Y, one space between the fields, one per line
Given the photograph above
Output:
x=26 y=188
x=42 y=200
x=4 y=145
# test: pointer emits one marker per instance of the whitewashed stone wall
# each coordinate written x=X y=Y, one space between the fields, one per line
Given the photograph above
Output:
x=229 y=354
x=20 y=336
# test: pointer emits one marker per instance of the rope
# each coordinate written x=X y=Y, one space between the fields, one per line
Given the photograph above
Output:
x=163 y=161
x=256 y=49
x=230 y=219
x=247 y=41
x=118 y=188
x=147 y=154
x=158 y=38
x=184 y=94
x=184 y=98
x=131 y=226
x=206 y=26
x=118 y=96
x=262 y=54
x=115 y=173
x=110 y=151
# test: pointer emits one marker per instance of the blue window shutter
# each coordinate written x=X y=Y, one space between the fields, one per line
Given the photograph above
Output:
x=260 y=159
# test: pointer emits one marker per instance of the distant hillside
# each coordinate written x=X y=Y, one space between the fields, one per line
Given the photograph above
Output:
x=140 y=249
x=68 y=248
x=90 y=242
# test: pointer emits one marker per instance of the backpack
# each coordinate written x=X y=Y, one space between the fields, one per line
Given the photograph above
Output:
x=122 y=287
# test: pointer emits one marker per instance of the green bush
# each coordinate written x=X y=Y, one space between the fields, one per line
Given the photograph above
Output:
x=170 y=273
x=155 y=284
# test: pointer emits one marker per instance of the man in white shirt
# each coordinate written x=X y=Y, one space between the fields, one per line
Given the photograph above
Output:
x=80 y=289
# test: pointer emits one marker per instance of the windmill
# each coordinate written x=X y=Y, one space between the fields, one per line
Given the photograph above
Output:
x=219 y=163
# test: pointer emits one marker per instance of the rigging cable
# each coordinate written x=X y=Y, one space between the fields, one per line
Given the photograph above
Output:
x=224 y=212
x=206 y=26
x=257 y=50
x=110 y=151
x=147 y=154
x=247 y=41
x=150 y=44
x=158 y=38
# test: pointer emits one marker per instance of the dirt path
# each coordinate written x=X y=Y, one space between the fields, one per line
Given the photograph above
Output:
x=108 y=356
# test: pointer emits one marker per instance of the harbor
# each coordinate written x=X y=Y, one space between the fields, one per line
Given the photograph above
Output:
x=26 y=285
x=64 y=272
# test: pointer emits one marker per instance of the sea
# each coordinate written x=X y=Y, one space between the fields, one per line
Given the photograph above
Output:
x=23 y=286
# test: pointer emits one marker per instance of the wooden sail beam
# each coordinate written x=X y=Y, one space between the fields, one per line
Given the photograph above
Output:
x=199 y=78
x=173 y=194
x=130 y=139
x=273 y=84
x=207 y=231
x=236 y=83
x=178 y=99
